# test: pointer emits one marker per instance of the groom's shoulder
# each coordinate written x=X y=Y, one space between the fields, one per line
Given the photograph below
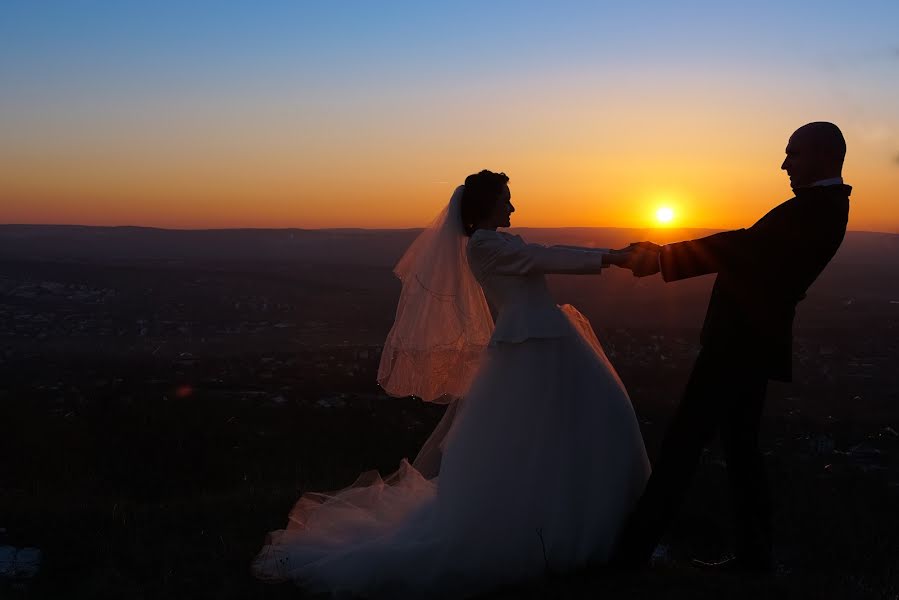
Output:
x=824 y=201
x=823 y=193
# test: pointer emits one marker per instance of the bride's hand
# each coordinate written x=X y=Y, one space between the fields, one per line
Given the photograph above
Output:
x=619 y=258
x=644 y=260
x=645 y=246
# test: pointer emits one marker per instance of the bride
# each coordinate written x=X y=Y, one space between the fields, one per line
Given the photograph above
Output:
x=539 y=454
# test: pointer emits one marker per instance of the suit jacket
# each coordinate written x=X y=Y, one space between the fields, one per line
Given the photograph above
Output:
x=763 y=272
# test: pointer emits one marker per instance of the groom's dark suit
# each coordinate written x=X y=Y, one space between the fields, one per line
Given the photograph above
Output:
x=763 y=272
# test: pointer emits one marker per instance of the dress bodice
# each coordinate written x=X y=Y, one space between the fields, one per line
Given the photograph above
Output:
x=512 y=275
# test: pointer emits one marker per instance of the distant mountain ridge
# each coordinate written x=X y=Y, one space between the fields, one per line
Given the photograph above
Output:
x=375 y=247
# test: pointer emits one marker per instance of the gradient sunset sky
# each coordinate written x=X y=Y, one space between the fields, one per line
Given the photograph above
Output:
x=367 y=114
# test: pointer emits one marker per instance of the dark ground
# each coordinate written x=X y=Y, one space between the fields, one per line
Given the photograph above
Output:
x=157 y=419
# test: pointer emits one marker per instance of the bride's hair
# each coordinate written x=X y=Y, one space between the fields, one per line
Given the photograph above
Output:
x=479 y=198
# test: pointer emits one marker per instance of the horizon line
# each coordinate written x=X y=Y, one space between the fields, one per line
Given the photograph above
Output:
x=348 y=228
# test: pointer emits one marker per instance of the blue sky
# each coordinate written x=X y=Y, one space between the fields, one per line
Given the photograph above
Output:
x=317 y=85
x=47 y=43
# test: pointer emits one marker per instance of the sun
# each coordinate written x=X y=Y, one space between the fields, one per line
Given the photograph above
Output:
x=665 y=214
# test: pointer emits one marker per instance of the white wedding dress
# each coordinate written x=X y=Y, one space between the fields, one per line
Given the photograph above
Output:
x=542 y=464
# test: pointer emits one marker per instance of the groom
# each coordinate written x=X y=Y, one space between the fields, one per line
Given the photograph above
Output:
x=763 y=272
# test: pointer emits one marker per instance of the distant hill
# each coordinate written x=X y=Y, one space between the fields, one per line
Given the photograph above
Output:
x=332 y=246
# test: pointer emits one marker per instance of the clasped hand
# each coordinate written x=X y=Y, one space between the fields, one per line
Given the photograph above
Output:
x=642 y=258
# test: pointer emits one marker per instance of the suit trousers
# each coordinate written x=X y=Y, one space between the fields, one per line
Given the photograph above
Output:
x=725 y=395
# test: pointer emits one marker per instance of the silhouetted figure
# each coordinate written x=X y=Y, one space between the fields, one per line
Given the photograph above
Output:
x=763 y=272
x=543 y=459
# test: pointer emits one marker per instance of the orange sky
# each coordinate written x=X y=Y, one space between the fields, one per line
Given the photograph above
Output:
x=364 y=140
x=613 y=168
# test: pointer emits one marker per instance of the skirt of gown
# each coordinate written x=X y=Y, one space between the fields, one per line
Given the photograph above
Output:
x=541 y=466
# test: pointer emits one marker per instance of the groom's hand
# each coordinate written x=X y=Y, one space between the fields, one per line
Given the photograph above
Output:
x=643 y=259
x=645 y=245
x=635 y=246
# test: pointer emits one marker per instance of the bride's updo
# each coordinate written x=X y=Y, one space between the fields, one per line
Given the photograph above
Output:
x=482 y=190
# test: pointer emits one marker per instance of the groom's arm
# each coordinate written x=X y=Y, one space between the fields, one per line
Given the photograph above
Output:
x=712 y=254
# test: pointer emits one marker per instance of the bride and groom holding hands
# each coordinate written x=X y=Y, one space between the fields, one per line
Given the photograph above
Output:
x=538 y=464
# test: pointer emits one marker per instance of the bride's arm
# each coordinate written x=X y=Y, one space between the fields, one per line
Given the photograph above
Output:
x=581 y=248
x=610 y=257
x=506 y=257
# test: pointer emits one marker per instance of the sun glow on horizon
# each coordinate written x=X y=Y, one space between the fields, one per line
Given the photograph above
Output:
x=665 y=215
x=317 y=117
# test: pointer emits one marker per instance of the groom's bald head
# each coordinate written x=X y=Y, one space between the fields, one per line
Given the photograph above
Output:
x=815 y=152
